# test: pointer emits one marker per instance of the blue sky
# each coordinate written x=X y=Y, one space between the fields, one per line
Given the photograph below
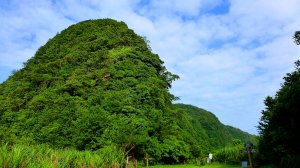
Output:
x=230 y=54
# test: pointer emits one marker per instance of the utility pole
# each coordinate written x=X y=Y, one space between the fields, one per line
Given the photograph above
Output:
x=249 y=151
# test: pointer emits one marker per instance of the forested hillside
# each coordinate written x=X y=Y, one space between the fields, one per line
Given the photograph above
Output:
x=209 y=128
x=97 y=84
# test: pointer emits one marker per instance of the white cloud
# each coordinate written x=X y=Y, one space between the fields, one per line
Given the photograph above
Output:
x=227 y=62
x=259 y=10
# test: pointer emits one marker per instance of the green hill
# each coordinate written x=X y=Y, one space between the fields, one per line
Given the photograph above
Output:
x=208 y=126
x=97 y=83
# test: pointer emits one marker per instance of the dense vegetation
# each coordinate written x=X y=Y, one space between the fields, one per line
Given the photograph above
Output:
x=96 y=85
x=41 y=156
x=20 y=156
x=280 y=123
x=213 y=165
x=211 y=131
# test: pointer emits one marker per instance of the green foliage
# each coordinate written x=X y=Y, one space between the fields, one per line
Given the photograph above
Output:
x=297 y=37
x=232 y=153
x=97 y=86
x=92 y=85
x=211 y=136
x=213 y=165
x=112 y=156
x=211 y=133
x=218 y=165
x=280 y=123
x=42 y=156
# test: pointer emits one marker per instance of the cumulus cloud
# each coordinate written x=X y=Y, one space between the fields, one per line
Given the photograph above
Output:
x=230 y=54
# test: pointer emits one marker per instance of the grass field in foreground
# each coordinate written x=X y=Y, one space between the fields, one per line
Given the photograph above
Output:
x=214 y=165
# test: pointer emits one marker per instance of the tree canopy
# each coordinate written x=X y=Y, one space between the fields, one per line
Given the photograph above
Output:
x=280 y=122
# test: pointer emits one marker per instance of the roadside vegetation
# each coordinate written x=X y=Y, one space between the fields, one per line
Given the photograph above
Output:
x=213 y=165
x=26 y=156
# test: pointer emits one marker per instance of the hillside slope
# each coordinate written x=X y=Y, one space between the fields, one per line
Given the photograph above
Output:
x=97 y=83
x=208 y=125
x=93 y=84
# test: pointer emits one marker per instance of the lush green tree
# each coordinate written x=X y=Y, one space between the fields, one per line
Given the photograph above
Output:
x=280 y=122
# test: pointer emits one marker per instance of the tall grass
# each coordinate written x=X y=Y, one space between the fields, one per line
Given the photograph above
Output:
x=42 y=156
x=232 y=155
x=213 y=165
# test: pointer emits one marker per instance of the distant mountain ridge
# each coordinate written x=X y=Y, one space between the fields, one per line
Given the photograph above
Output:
x=97 y=83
